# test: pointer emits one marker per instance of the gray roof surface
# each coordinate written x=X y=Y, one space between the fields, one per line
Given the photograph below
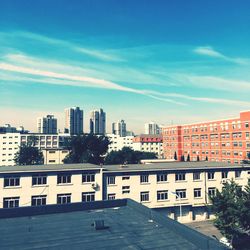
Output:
x=119 y=168
x=50 y=167
x=129 y=228
x=170 y=166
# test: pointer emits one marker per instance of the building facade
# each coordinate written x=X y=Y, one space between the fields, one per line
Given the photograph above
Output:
x=152 y=128
x=118 y=142
x=222 y=140
x=97 y=123
x=47 y=125
x=178 y=190
x=54 y=156
x=149 y=143
x=9 y=146
x=74 y=121
x=119 y=128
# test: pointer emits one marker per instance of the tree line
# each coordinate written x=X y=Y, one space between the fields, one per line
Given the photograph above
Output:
x=85 y=148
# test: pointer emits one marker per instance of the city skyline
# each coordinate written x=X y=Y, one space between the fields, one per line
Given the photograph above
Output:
x=140 y=61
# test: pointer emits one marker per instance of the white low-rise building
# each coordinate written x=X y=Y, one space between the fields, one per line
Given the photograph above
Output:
x=54 y=156
x=118 y=142
x=9 y=145
x=179 y=190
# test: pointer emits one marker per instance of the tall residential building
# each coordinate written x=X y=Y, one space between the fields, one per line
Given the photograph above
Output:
x=97 y=123
x=74 y=121
x=47 y=125
x=119 y=128
x=152 y=128
x=226 y=140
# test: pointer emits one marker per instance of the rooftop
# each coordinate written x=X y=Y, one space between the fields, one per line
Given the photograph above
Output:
x=48 y=168
x=201 y=165
x=129 y=225
x=171 y=166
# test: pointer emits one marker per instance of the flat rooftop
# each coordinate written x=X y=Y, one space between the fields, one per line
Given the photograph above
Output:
x=48 y=168
x=201 y=165
x=129 y=226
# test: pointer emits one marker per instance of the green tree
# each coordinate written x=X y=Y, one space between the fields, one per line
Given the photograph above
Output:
x=127 y=156
x=231 y=208
x=175 y=155
x=86 y=148
x=28 y=155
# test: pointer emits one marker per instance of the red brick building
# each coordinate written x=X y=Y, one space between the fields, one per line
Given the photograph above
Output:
x=225 y=140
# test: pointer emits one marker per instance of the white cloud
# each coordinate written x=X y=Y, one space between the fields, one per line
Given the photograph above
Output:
x=66 y=78
x=209 y=51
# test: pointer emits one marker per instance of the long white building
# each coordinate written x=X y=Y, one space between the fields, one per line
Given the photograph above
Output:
x=179 y=190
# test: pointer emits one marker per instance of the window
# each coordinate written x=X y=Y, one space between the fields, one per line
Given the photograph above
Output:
x=88 y=177
x=39 y=180
x=125 y=178
x=197 y=192
x=211 y=191
x=11 y=202
x=38 y=200
x=224 y=175
x=88 y=196
x=196 y=176
x=210 y=175
x=63 y=198
x=63 y=178
x=13 y=181
x=111 y=196
x=144 y=196
x=162 y=177
x=180 y=177
x=181 y=193
x=111 y=180
x=52 y=160
x=144 y=178
x=162 y=195
x=125 y=189
x=237 y=174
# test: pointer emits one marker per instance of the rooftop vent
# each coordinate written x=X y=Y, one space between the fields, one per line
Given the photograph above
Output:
x=99 y=225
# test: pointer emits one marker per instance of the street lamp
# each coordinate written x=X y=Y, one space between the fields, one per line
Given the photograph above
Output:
x=178 y=197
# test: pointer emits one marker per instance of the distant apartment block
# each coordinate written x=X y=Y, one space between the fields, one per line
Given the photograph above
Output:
x=97 y=123
x=162 y=186
x=225 y=140
x=119 y=128
x=152 y=128
x=74 y=121
x=149 y=143
x=47 y=125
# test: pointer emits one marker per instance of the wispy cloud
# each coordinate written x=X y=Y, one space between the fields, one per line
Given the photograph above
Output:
x=105 y=55
x=53 y=77
x=211 y=52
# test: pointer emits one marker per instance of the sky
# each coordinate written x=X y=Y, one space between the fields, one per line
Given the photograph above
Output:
x=166 y=61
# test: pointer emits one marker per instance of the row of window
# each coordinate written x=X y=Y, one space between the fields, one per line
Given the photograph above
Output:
x=163 y=195
x=178 y=177
x=40 y=200
x=42 y=179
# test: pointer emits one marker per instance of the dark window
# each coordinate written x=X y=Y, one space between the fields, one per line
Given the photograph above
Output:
x=162 y=195
x=39 y=180
x=88 y=196
x=63 y=198
x=144 y=178
x=63 y=178
x=88 y=177
x=12 y=181
x=181 y=194
x=162 y=177
x=144 y=196
x=196 y=176
x=180 y=177
x=11 y=202
x=39 y=200
x=197 y=192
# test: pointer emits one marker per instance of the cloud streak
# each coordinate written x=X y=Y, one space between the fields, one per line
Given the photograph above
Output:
x=211 y=52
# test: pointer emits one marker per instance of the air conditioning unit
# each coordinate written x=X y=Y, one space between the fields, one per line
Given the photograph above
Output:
x=224 y=181
x=95 y=185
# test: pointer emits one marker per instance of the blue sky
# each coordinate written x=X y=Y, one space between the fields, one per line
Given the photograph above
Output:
x=165 y=61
